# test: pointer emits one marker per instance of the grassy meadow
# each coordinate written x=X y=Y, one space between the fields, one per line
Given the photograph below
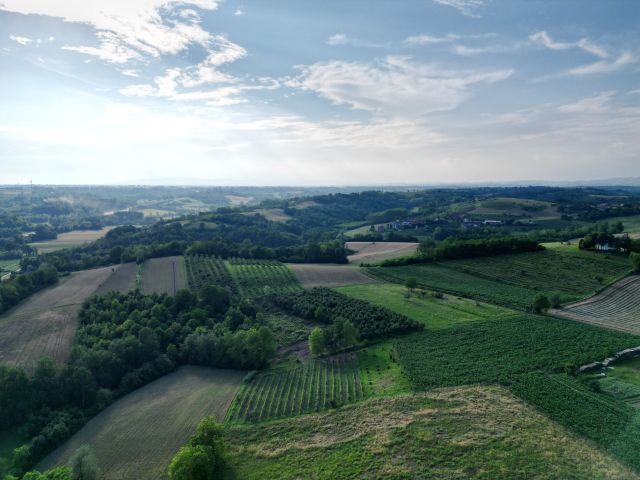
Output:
x=434 y=311
x=456 y=433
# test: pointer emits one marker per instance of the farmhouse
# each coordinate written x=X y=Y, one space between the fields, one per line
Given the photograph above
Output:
x=492 y=222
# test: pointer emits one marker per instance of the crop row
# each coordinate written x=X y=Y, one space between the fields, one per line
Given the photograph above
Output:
x=314 y=386
x=619 y=302
x=205 y=270
x=437 y=277
x=546 y=271
x=324 y=305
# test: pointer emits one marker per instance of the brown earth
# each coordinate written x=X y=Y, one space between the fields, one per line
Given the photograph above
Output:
x=374 y=252
x=44 y=325
x=328 y=275
x=164 y=275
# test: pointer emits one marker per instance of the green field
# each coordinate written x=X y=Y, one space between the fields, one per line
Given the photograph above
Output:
x=256 y=277
x=478 y=432
x=288 y=329
x=137 y=436
x=315 y=385
x=493 y=351
x=424 y=307
x=380 y=373
x=513 y=280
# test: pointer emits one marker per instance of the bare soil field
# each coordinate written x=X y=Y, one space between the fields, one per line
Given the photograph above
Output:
x=136 y=437
x=328 y=275
x=374 y=252
x=71 y=239
x=44 y=325
x=164 y=275
x=616 y=307
x=123 y=279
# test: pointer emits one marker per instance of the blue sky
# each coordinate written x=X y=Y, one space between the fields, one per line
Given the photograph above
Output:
x=332 y=92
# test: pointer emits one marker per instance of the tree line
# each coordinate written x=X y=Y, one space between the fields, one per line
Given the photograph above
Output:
x=429 y=251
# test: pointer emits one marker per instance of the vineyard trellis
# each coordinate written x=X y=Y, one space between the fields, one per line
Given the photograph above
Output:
x=259 y=277
x=316 y=385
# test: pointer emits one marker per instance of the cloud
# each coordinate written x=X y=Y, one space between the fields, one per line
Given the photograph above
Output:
x=126 y=29
x=604 y=66
x=543 y=38
x=203 y=73
x=342 y=39
x=470 y=8
x=111 y=49
x=21 y=40
x=338 y=39
x=595 y=104
x=239 y=11
x=130 y=72
x=424 y=39
x=393 y=86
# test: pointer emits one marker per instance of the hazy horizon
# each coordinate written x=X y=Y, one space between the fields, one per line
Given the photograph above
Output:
x=420 y=92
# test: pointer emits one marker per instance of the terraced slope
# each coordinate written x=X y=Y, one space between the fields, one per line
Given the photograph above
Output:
x=616 y=307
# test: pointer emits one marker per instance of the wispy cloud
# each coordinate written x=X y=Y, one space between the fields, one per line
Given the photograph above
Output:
x=343 y=39
x=594 y=104
x=470 y=8
x=393 y=86
x=425 y=39
x=604 y=66
x=239 y=11
x=21 y=40
x=543 y=38
x=127 y=30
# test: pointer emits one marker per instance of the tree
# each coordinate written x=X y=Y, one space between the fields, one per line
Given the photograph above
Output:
x=411 y=284
x=203 y=457
x=555 y=301
x=541 y=303
x=634 y=258
x=192 y=463
x=349 y=334
x=84 y=465
x=316 y=341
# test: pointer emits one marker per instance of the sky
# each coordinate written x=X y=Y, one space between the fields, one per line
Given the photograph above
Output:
x=295 y=92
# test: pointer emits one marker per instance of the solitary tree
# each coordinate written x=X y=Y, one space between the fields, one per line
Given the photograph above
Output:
x=411 y=284
x=316 y=341
x=541 y=303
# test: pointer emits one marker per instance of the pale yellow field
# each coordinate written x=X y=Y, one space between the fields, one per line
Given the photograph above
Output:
x=136 y=437
x=44 y=325
x=75 y=238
